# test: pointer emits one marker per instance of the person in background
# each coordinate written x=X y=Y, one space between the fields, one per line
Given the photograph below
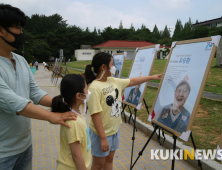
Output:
x=36 y=65
x=44 y=64
x=17 y=89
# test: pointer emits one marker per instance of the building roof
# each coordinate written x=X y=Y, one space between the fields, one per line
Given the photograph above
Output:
x=207 y=22
x=125 y=44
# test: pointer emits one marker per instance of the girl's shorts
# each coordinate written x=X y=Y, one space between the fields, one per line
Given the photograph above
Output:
x=96 y=149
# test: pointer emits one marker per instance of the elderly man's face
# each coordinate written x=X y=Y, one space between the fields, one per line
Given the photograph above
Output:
x=181 y=94
x=137 y=86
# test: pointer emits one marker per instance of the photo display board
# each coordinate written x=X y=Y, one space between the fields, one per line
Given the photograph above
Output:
x=119 y=59
x=181 y=88
x=142 y=66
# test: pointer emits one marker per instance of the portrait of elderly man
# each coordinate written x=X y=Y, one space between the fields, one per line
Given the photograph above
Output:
x=174 y=115
x=134 y=95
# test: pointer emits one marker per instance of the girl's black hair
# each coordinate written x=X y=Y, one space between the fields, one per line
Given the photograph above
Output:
x=98 y=60
x=70 y=85
x=11 y=16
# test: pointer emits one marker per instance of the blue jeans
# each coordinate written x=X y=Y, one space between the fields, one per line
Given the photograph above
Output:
x=22 y=161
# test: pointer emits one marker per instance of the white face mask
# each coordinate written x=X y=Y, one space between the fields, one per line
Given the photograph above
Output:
x=101 y=75
x=86 y=100
x=113 y=70
x=87 y=96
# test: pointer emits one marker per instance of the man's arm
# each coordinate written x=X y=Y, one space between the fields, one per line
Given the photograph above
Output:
x=46 y=101
x=33 y=111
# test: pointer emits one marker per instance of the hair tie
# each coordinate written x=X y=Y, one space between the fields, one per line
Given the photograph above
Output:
x=63 y=99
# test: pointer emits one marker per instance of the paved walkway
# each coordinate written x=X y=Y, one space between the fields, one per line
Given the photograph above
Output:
x=46 y=140
x=205 y=94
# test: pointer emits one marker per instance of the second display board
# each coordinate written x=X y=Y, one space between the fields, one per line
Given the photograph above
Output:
x=142 y=66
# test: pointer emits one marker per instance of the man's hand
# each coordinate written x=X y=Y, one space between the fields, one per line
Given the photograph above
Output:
x=60 y=118
x=35 y=112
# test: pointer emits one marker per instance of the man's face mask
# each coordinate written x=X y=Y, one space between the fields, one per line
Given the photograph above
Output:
x=19 y=39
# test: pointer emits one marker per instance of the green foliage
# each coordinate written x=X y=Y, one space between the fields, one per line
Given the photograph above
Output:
x=177 y=35
x=74 y=58
x=166 y=33
x=45 y=35
x=156 y=33
x=121 y=25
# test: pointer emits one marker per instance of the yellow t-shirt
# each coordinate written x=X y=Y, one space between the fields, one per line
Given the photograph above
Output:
x=78 y=131
x=105 y=99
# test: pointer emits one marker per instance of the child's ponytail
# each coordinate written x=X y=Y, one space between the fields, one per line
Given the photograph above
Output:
x=58 y=104
x=89 y=75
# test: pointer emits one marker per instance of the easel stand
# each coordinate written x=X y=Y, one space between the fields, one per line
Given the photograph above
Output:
x=134 y=123
x=131 y=117
x=174 y=147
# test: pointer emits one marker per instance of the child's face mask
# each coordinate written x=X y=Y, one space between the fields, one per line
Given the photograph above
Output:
x=86 y=100
x=112 y=71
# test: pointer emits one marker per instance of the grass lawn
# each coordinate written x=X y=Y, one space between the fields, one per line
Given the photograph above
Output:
x=78 y=64
x=213 y=84
x=72 y=71
x=207 y=126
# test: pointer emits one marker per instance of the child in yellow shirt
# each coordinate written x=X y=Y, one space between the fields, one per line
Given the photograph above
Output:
x=105 y=107
x=75 y=151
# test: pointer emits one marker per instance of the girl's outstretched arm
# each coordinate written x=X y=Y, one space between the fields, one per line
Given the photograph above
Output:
x=139 y=80
x=97 y=121
x=77 y=155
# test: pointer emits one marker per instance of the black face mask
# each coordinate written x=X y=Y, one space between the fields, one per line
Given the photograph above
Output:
x=19 y=39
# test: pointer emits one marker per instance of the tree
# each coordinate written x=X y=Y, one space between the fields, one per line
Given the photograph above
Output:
x=94 y=31
x=186 y=33
x=165 y=33
x=132 y=27
x=177 y=35
x=155 y=34
x=121 y=25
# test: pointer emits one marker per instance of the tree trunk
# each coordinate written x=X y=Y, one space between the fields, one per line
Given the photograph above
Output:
x=219 y=53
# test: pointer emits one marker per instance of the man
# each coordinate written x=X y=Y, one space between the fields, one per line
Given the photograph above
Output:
x=45 y=65
x=134 y=95
x=17 y=87
x=36 y=65
x=175 y=115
